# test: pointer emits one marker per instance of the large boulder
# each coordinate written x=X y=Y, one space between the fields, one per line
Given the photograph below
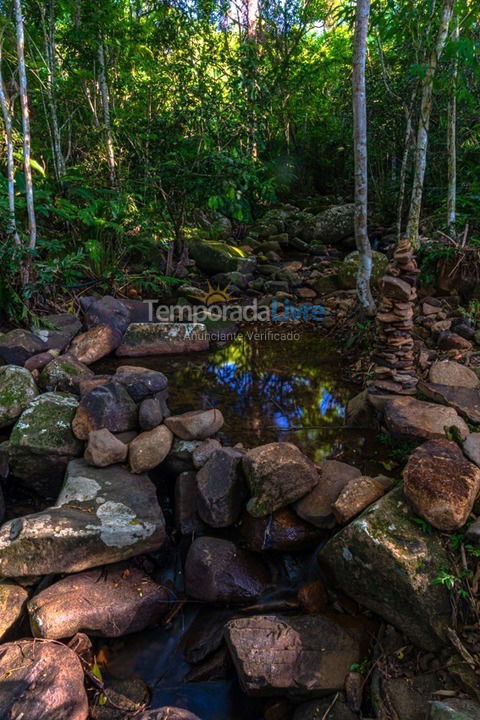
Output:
x=41 y=681
x=102 y=516
x=107 y=406
x=348 y=269
x=109 y=602
x=17 y=390
x=411 y=419
x=214 y=257
x=333 y=224
x=305 y=655
x=277 y=475
x=17 y=346
x=64 y=374
x=218 y=571
x=316 y=506
x=141 y=382
x=106 y=311
x=42 y=442
x=384 y=561
x=166 y=338
x=196 y=424
x=13 y=602
x=221 y=489
x=441 y=484
x=57 y=331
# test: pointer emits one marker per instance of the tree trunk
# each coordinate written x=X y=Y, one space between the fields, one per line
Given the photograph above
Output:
x=413 y=226
x=51 y=61
x=404 y=165
x=7 y=118
x=452 y=144
x=102 y=79
x=360 y=152
x=22 y=73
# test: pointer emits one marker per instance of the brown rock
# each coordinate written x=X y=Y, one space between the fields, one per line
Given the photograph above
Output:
x=316 y=507
x=357 y=495
x=221 y=488
x=104 y=449
x=396 y=288
x=195 y=425
x=37 y=362
x=441 y=484
x=94 y=344
x=167 y=713
x=452 y=341
x=149 y=449
x=87 y=384
x=465 y=400
x=412 y=419
x=204 y=452
x=107 y=406
x=13 y=601
x=313 y=597
x=141 y=382
x=283 y=531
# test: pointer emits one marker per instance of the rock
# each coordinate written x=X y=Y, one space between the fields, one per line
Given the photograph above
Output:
x=218 y=571
x=348 y=269
x=411 y=419
x=42 y=442
x=122 y=699
x=408 y=697
x=215 y=257
x=13 y=602
x=453 y=709
x=316 y=506
x=107 y=406
x=87 y=384
x=471 y=447
x=282 y=531
x=17 y=390
x=333 y=224
x=45 y=680
x=221 y=489
x=141 y=383
x=102 y=516
x=358 y=494
x=64 y=374
x=322 y=709
x=448 y=372
x=441 y=485
x=397 y=289
x=95 y=344
x=104 y=449
x=313 y=597
x=204 y=452
x=277 y=474
x=452 y=341
x=61 y=330
x=187 y=520
x=143 y=339
x=180 y=457
x=195 y=425
x=383 y=561
x=106 y=311
x=167 y=713
x=4 y=471
x=301 y=655
x=17 y=346
x=109 y=602
x=359 y=412
x=38 y=362
x=149 y=449
x=465 y=400
x=150 y=414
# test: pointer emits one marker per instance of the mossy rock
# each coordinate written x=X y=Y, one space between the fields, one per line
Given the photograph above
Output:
x=348 y=269
x=214 y=256
x=63 y=374
x=17 y=390
x=387 y=563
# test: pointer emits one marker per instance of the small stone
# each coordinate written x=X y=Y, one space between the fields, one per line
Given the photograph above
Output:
x=18 y=345
x=104 y=449
x=13 y=602
x=150 y=414
x=204 y=452
x=140 y=382
x=221 y=489
x=357 y=495
x=149 y=449
x=397 y=289
x=316 y=506
x=38 y=362
x=195 y=425
x=62 y=328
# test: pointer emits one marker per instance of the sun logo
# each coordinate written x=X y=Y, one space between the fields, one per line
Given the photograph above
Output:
x=215 y=295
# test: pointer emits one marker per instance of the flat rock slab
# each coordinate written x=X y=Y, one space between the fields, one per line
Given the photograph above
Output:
x=42 y=442
x=292 y=655
x=142 y=339
x=108 y=602
x=13 y=602
x=102 y=516
x=384 y=561
x=17 y=390
x=448 y=372
x=40 y=680
x=441 y=484
x=95 y=344
x=277 y=474
x=465 y=400
x=411 y=419
x=316 y=506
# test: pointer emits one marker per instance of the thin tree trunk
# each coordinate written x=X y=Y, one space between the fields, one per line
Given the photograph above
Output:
x=7 y=118
x=404 y=165
x=51 y=61
x=413 y=226
x=22 y=73
x=102 y=79
x=360 y=151
x=452 y=144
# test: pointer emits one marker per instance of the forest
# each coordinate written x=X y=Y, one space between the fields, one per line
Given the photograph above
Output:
x=239 y=360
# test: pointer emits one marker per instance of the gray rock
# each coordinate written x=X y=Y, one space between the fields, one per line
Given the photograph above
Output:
x=180 y=457
x=150 y=414
x=140 y=382
x=143 y=339
x=384 y=561
x=348 y=269
x=221 y=489
x=108 y=602
x=187 y=520
x=167 y=713
x=42 y=442
x=465 y=400
x=411 y=419
x=17 y=346
x=106 y=311
x=218 y=571
x=45 y=680
x=333 y=224
x=102 y=516
x=107 y=406
x=61 y=330
x=316 y=506
x=204 y=452
x=471 y=447
x=454 y=709
x=17 y=390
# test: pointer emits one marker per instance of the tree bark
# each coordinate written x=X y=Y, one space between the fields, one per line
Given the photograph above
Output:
x=7 y=119
x=51 y=62
x=22 y=73
x=102 y=79
x=452 y=143
x=360 y=152
x=413 y=226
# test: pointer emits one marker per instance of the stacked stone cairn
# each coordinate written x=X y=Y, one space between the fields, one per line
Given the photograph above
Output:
x=394 y=353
